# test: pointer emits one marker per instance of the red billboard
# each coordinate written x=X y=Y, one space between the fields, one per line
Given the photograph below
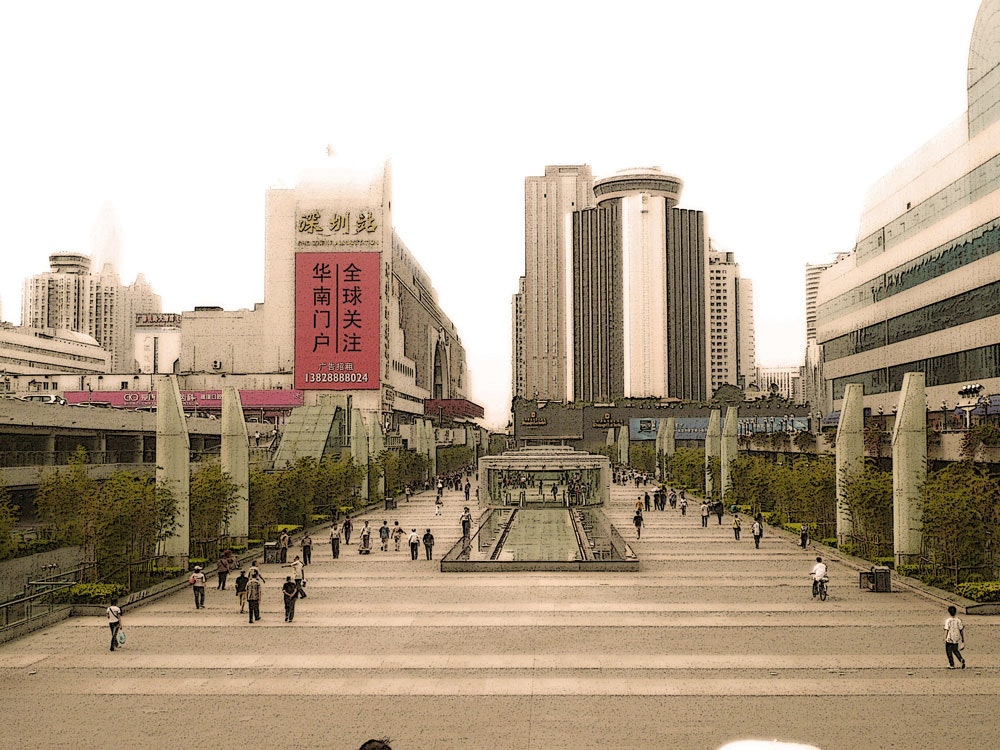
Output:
x=337 y=308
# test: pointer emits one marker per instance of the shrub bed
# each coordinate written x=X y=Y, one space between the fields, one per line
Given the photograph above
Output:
x=979 y=591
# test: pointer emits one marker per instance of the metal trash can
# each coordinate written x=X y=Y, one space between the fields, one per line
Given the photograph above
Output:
x=271 y=553
x=390 y=504
x=883 y=578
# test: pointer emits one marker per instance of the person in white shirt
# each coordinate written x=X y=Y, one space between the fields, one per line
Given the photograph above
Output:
x=414 y=541
x=819 y=571
x=115 y=622
x=954 y=638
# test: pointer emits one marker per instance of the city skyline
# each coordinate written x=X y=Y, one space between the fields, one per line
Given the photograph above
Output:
x=778 y=135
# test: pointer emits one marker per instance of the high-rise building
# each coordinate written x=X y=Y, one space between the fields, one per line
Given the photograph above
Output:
x=921 y=290
x=549 y=201
x=70 y=297
x=731 y=323
x=517 y=344
x=640 y=292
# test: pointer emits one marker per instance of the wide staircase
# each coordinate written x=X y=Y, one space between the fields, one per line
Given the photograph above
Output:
x=711 y=641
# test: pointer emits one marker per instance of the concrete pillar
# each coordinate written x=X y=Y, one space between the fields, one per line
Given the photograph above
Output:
x=909 y=467
x=669 y=437
x=236 y=459
x=610 y=440
x=432 y=448
x=49 y=459
x=137 y=456
x=359 y=449
x=623 y=444
x=850 y=453
x=713 y=447
x=101 y=449
x=376 y=444
x=173 y=462
x=729 y=447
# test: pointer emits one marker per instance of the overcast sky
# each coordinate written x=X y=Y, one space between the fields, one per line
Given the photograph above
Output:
x=778 y=116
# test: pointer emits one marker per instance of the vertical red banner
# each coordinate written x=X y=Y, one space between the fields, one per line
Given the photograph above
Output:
x=337 y=309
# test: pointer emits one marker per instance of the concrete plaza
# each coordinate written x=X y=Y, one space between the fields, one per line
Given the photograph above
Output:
x=712 y=641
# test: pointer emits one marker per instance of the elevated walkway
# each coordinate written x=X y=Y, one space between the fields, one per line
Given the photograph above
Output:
x=309 y=432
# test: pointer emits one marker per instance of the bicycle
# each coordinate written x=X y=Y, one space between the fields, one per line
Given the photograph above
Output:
x=820 y=588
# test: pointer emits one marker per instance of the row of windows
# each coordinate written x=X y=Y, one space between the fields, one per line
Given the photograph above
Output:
x=981 y=242
x=958 y=367
x=964 y=191
x=967 y=307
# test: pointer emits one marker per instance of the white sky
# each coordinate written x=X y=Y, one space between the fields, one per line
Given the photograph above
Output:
x=777 y=115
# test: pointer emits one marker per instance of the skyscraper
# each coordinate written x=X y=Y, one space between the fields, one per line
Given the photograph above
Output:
x=70 y=297
x=640 y=292
x=549 y=201
x=731 y=322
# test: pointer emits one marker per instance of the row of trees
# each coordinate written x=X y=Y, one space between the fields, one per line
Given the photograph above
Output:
x=301 y=490
x=960 y=503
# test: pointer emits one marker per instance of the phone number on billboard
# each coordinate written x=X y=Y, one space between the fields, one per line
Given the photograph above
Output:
x=336 y=377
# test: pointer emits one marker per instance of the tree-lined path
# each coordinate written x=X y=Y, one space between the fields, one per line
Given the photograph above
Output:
x=713 y=640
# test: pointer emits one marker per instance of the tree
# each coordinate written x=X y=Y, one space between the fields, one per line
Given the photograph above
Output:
x=642 y=457
x=67 y=504
x=961 y=515
x=213 y=501
x=868 y=495
x=134 y=516
x=8 y=519
x=686 y=469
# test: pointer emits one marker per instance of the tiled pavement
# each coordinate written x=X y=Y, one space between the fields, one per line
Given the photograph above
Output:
x=711 y=641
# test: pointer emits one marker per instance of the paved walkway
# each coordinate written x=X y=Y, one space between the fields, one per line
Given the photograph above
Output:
x=712 y=641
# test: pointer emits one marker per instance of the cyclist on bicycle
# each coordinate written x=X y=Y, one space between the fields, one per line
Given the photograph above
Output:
x=818 y=572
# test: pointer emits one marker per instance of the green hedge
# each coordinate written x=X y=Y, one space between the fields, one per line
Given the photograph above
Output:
x=96 y=593
x=34 y=546
x=979 y=591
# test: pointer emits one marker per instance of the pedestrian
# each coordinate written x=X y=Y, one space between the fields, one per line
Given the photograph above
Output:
x=645 y=501
x=683 y=502
x=719 y=511
x=468 y=490
x=256 y=570
x=414 y=541
x=283 y=541
x=637 y=522
x=307 y=549
x=255 y=590
x=704 y=513
x=757 y=529
x=408 y=491
x=335 y=541
x=638 y=504
x=803 y=535
x=428 y=543
x=348 y=527
x=383 y=534
x=438 y=504
x=222 y=572
x=954 y=638
x=114 y=622
x=296 y=566
x=290 y=591
x=366 y=539
x=256 y=439
x=737 y=525
x=466 y=523
x=197 y=581
x=397 y=534
x=241 y=590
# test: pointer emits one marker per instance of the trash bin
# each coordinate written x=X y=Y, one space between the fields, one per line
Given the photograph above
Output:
x=270 y=553
x=883 y=578
x=390 y=504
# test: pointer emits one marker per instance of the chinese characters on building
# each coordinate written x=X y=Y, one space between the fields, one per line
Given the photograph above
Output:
x=337 y=320
x=327 y=228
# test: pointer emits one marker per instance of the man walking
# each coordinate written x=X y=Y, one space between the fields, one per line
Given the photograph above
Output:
x=466 y=519
x=954 y=638
x=114 y=622
x=335 y=541
x=757 y=529
x=704 y=513
x=637 y=522
x=283 y=541
x=290 y=591
x=383 y=535
x=307 y=549
x=254 y=591
x=414 y=544
x=197 y=581
x=222 y=572
x=241 y=590
x=428 y=543
x=348 y=527
x=296 y=566
x=737 y=525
